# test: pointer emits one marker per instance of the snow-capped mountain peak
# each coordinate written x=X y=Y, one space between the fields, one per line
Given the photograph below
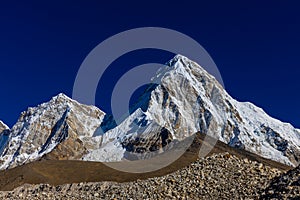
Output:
x=187 y=100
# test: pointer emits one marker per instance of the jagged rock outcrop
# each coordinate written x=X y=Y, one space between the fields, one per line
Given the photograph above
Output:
x=3 y=127
x=4 y=135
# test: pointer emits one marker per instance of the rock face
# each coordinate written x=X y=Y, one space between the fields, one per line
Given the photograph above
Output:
x=187 y=100
x=59 y=126
x=4 y=135
x=190 y=100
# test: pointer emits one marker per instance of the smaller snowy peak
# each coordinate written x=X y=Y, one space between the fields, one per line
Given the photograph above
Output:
x=61 y=98
x=3 y=126
x=61 y=124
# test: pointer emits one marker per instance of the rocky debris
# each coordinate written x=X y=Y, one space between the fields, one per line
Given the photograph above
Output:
x=286 y=186
x=218 y=176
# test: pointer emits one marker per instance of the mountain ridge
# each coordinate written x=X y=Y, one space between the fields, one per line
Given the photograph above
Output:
x=187 y=100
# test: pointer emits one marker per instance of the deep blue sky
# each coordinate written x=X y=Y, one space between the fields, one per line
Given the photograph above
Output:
x=255 y=45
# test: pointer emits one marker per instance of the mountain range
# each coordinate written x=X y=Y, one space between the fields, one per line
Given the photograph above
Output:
x=187 y=100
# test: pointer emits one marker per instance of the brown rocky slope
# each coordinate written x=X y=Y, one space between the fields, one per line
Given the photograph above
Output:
x=219 y=176
x=237 y=174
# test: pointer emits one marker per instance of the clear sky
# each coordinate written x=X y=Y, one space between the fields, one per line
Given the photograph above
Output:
x=255 y=45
